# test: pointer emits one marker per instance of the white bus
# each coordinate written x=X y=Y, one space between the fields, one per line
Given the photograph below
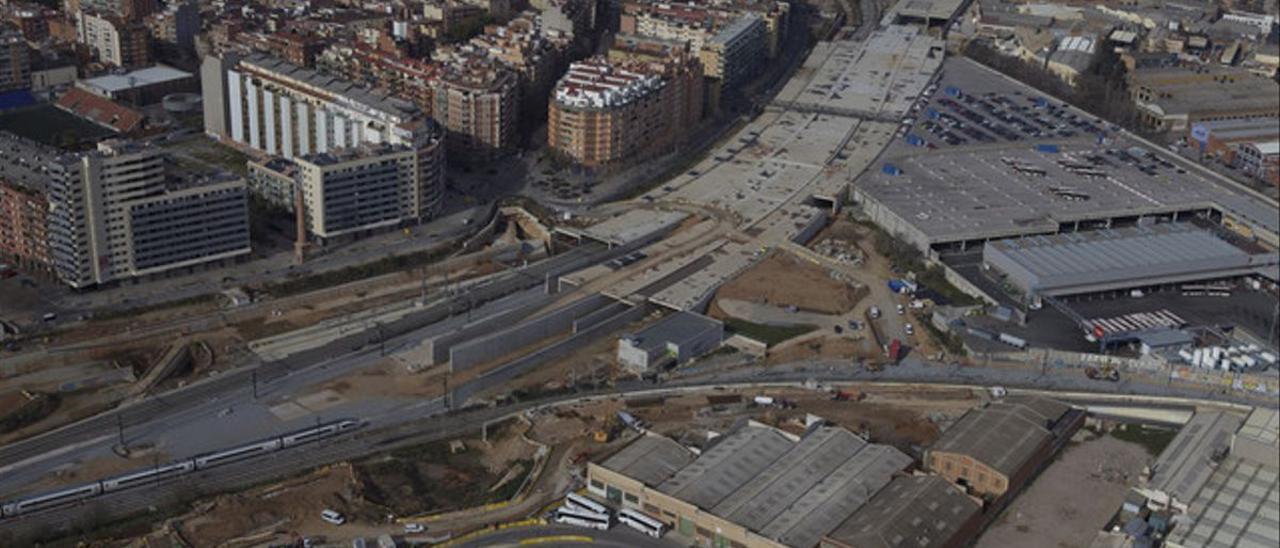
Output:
x=574 y=516
x=574 y=500
x=641 y=522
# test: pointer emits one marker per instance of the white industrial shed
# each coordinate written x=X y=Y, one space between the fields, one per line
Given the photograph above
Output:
x=1108 y=260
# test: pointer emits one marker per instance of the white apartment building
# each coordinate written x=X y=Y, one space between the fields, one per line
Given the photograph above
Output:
x=270 y=106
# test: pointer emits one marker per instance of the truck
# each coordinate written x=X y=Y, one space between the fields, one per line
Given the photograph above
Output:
x=895 y=351
x=1104 y=373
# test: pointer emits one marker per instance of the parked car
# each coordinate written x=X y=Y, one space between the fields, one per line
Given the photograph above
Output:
x=413 y=528
x=332 y=516
x=910 y=330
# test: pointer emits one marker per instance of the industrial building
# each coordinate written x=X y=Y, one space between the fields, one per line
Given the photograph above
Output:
x=754 y=486
x=141 y=87
x=924 y=12
x=995 y=450
x=918 y=511
x=957 y=197
x=675 y=339
x=1222 y=473
x=1120 y=259
x=1184 y=467
x=1173 y=98
x=270 y=106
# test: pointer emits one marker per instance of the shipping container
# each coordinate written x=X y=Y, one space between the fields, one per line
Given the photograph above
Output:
x=1051 y=149
x=890 y=169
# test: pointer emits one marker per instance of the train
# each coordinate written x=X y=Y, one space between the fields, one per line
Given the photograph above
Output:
x=79 y=493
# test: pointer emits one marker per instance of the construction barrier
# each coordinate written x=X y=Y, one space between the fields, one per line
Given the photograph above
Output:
x=490 y=529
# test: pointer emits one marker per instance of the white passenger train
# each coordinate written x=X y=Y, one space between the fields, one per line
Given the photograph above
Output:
x=79 y=493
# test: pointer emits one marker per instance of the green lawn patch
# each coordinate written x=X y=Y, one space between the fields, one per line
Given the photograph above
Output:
x=52 y=126
x=767 y=334
x=1152 y=438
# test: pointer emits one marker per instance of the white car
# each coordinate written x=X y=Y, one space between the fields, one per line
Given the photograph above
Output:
x=412 y=528
x=910 y=330
x=332 y=516
x=901 y=310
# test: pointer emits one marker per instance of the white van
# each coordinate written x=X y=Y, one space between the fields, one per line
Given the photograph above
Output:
x=332 y=516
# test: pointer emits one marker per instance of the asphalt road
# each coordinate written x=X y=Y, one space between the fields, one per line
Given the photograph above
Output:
x=414 y=431
x=620 y=536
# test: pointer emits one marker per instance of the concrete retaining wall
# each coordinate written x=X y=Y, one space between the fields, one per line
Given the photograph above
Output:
x=440 y=346
x=963 y=284
x=594 y=318
x=560 y=349
x=557 y=322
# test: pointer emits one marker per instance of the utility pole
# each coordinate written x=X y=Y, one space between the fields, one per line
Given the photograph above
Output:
x=448 y=404
x=120 y=428
x=254 y=375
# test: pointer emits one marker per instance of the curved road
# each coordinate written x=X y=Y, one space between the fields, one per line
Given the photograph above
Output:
x=620 y=536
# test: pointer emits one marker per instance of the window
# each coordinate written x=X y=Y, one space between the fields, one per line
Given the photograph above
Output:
x=631 y=498
x=597 y=484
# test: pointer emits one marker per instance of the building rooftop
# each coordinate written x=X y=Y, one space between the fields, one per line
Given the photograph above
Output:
x=598 y=83
x=373 y=99
x=1063 y=264
x=915 y=511
x=651 y=460
x=930 y=9
x=793 y=490
x=1238 y=506
x=677 y=328
x=1183 y=90
x=1003 y=435
x=113 y=83
x=100 y=110
x=982 y=190
x=1184 y=467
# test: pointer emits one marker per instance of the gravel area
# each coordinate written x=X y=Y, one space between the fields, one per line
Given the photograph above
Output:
x=1073 y=499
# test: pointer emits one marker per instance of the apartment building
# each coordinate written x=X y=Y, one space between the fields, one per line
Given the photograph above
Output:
x=405 y=77
x=15 y=59
x=732 y=56
x=113 y=40
x=355 y=190
x=679 y=67
x=603 y=113
x=269 y=106
x=477 y=101
x=24 y=221
x=113 y=214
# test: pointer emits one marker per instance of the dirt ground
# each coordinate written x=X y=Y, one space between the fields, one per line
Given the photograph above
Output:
x=895 y=417
x=1073 y=499
x=785 y=280
x=822 y=347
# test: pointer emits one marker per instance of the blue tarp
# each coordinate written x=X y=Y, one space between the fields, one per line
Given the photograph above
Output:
x=16 y=99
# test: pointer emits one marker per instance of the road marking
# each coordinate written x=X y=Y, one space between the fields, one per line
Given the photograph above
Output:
x=557 y=539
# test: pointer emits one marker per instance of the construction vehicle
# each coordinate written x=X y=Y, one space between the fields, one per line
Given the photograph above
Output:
x=1105 y=373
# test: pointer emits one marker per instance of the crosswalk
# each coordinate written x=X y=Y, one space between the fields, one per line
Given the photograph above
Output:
x=1138 y=321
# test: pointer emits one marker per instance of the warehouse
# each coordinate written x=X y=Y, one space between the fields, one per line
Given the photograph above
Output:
x=1120 y=259
x=1184 y=467
x=1231 y=486
x=676 y=339
x=926 y=511
x=754 y=486
x=944 y=197
x=996 y=449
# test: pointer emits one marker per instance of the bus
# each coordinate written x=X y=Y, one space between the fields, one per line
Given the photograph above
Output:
x=574 y=500
x=574 y=516
x=641 y=522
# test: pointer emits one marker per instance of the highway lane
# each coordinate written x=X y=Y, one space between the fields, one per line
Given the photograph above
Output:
x=620 y=536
